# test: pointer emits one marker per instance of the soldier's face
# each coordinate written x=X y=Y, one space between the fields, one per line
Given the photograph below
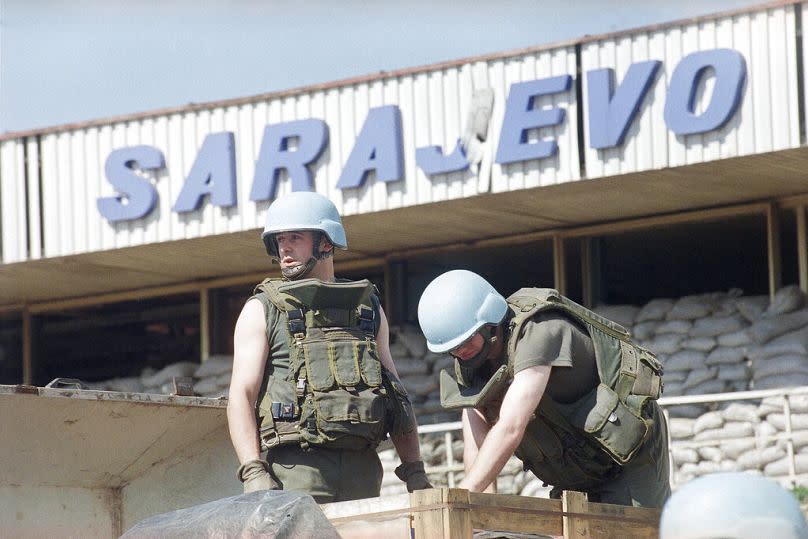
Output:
x=294 y=247
x=469 y=348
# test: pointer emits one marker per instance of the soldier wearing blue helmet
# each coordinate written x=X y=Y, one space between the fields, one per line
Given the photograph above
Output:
x=552 y=382
x=312 y=365
x=732 y=505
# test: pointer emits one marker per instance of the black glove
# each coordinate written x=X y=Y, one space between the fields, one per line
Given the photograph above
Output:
x=255 y=474
x=414 y=475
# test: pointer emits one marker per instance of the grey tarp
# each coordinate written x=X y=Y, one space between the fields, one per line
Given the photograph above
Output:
x=268 y=513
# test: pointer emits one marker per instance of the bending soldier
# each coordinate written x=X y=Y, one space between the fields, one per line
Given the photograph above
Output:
x=312 y=366
x=561 y=387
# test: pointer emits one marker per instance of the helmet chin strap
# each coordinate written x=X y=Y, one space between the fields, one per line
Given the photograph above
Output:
x=299 y=271
x=489 y=339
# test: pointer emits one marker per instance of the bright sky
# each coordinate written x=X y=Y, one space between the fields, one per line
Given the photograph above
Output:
x=75 y=60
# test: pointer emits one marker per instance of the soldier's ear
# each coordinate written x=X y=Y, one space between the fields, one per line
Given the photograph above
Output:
x=325 y=245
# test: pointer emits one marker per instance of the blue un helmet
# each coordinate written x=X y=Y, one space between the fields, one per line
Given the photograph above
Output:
x=734 y=505
x=303 y=210
x=454 y=306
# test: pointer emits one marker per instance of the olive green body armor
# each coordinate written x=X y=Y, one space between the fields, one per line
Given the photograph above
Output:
x=581 y=444
x=336 y=392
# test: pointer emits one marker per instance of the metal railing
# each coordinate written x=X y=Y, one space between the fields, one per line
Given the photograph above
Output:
x=452 y=466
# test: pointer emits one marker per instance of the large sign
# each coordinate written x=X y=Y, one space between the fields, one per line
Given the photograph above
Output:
x=296 y=146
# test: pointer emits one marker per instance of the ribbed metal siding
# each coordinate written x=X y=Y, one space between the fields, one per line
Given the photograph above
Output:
x=12 y=202
x=563 y=167
x=767 y=119
x=434 y=107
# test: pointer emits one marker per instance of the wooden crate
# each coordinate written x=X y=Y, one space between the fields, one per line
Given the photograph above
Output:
x=452 y=513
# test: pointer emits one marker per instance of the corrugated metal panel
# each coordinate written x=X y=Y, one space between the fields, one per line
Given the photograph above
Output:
x=767 y=119
x=12 y=201
x=565 y=165
x=434 y=105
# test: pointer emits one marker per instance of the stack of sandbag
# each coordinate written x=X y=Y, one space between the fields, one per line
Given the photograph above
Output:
x=779 y=349
x=741 y=436
x=700 y=339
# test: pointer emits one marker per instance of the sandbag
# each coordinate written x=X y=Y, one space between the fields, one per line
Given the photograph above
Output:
x=702 y=344
x=732 y=373
x=756 y=459
x=752 y=307
x=782 y=380
x=697 y=376
x=681 y=327
x=686 y=410
x=214 y=366
x=707 y=387
x=720 y=356
x=734 y=448
x=412 y=339
x=734 y=429
x=682 y=455
x=656 y=309
x=680 y=428
x=690 y=307
x=780 y=365
x=737 y=411
x=624 y=315
x=767 y=329
x=685 y=360
x=710 y=420
x=667 y=343
x=713 y=326
x=787 y=299
x=738 y=338
x=644 y=330
x=778 y=420
x=781 y=467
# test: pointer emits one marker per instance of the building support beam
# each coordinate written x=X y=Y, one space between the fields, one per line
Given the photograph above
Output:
x=204 y=324
x=774 y=252
x=395 y=291
x=559 y=265
x=27 y=347
x=802 y=247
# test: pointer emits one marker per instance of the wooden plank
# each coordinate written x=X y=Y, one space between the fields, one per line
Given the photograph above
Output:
x=443 y=512
x=574 y=504
x=427 y=524
x=522 y=514
x=607 y=521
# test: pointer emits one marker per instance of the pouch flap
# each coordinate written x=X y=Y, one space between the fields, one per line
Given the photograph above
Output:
x=595 y=409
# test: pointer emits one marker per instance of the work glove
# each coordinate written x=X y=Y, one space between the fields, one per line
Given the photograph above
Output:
x=255 y=474
x=414 y=475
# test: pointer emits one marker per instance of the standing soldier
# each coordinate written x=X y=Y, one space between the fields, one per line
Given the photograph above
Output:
x=312 y=365
x=558 y=385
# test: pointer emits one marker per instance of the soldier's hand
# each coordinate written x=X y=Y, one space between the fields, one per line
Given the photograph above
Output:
x=414 y=475
x=255 y=474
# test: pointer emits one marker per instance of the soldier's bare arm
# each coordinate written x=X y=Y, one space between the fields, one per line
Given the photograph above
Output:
x=502 y=439
x=249 y=359
x=475 y=429
x=406 y=445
